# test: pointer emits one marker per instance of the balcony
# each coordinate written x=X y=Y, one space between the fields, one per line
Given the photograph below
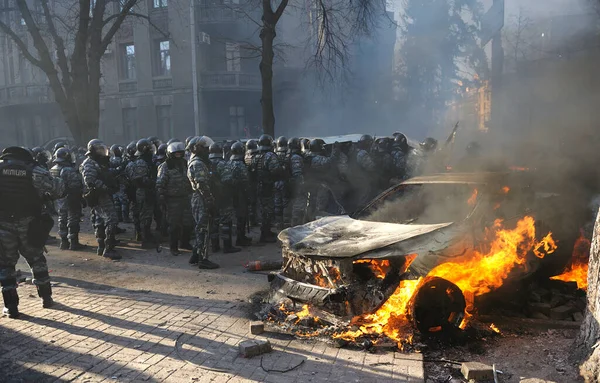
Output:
x=26 y=94
x=128 y=86
x=218 y=14
x=230 y=81
x=162 y=83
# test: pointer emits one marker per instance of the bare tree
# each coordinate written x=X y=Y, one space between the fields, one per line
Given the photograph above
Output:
x=518 y=37
x=335 y=24
x=68 y=48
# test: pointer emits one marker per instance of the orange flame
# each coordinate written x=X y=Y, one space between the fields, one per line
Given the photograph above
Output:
x=505 y=189
x=578 y=271
x=476 y=274
x=473 y=198
x=495 y=329
x=379 y=268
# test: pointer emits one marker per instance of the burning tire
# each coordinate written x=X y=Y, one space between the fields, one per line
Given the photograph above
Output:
x=439 y=305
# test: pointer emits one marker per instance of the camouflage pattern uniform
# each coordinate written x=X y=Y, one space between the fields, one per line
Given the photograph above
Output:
x=202 y=203
x=226 y=210
x=69 y=207
x=143 y=176
x=298 y=194
x=268 y=170
x=106 y=220
x=252 y=194
x=23 y=192
x=239 y=184
x=118 y=165
x=321 y=167
x=366 y=169
x=131 y=194
x=281 y=191
x=217 y=167
x=399 y=159
x=173 y=190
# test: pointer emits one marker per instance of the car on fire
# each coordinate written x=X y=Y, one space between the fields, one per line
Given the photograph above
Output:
x=349 y=265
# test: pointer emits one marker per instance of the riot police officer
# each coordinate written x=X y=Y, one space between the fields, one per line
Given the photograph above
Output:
x=297 y=192
x=23 y=229
x=202 y=200
x=251 y=152
x=143 y=176
x=269 y=170
x=217 y=163
x=173 y=189
x=281 y=192
x=99 y=188
x=400 y=152
x=239 y=185
x=130 y=189
x=117 y=166
x=69 y=206
x=365 y=170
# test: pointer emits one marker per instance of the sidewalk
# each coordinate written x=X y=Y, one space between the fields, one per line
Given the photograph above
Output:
x=127 y=336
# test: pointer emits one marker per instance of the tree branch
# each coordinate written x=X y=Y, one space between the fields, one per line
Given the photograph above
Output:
x=280 y=10
x=60 y=46
x=22 y=46
x=120 y=17
x=141 y=16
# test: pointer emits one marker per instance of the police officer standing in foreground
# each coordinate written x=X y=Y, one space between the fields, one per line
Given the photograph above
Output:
x=23 y=229
x=99 y=189
x=269 y=170
x=69 y=207
x=251 y=152
x=143 y=176
x=202 y=200
x=173 y=190
x=240 y=184
x=297 y=191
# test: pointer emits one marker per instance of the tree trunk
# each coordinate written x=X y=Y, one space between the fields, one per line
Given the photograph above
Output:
x=267 y=36
x=588 y=341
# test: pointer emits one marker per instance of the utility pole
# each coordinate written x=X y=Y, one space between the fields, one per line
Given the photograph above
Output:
x=194 y=42
x=497 y=66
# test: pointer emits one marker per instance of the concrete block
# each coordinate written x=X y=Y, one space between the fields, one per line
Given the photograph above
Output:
x=477 y=371
x=255 y=347
x=562 y=312
x=578 y=317
x=257 y=328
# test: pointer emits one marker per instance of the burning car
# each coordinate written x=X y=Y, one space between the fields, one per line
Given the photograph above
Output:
x=452 y=232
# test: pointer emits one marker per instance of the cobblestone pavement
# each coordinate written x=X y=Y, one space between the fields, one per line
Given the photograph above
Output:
x=126 y=336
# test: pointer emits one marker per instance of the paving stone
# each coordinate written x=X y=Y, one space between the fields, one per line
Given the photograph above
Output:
x=476 y=371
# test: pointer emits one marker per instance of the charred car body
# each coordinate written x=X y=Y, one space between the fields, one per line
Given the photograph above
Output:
x=350 y=265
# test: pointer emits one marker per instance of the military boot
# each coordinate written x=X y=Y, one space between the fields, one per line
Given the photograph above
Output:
x=194 y=257
x=101 y=246
x=147 y=238
x=45 y=292
x=186 y=235
x=174 y=243
x=206 y=264
x=228 y=248
x=64 y=243
x=110 y=252
x=75 y=245
x=11 y=302
x=215 y=245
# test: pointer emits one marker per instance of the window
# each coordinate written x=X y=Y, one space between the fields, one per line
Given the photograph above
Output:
x=237 y=121
x=163 y=60
x=232 y=55
x=130 y=124
x=128 y=62
x=160 y=3
x=163 y=118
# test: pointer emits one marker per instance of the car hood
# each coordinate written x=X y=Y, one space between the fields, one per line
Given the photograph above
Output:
x=343 y=237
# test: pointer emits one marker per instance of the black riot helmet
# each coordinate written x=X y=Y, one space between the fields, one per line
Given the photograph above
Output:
x=17 y=153
x=199 y=145
x=96 y=148
x=305 y=145
x=251 y=146
x=187 y=140
x=173 y=140
x=161 y=153
x=58 y=145
x=215 y=151
x=131 y=149
x=226 y=149
x=62 y=156
x=365 y=142
x=429 y=145
x=175 y=150
x=144 y=146
x=282 y=144
x=116 y=150
x=237 y=151
x=265 y=143
x=400 y=142
x=155 y=140
x=294 y=145
x=317 y=145
x=380 y=145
